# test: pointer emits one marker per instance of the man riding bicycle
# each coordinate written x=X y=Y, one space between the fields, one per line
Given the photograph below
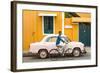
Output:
x=59 y=39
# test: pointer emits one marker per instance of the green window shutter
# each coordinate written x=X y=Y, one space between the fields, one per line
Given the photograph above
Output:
x=48 y=24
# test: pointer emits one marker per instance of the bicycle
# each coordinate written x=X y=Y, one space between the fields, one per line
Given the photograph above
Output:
x=57 y=52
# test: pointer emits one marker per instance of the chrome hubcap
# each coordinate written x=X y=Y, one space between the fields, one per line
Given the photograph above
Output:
x=76 y=53
x=43 y=54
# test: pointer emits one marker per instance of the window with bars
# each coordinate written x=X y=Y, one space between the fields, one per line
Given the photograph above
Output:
x=48 y=24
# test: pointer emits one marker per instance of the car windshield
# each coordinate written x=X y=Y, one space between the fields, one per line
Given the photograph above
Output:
x=51 y=39
x=68 y=39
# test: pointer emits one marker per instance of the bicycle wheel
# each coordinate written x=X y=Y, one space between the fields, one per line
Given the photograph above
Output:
x=53 y=54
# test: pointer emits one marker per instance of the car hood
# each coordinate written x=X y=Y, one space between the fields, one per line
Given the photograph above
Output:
x=74 y=42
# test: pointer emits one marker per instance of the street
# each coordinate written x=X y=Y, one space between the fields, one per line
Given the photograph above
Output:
x=36 y=59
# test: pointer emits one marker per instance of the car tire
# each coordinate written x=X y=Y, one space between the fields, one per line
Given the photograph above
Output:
x=76 y=52
x=43 y=54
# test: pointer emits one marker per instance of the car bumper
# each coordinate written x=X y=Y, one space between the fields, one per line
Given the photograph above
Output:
x=34 y=54
x=30 y=54
x=84 y=52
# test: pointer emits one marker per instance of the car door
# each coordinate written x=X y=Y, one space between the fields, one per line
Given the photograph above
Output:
x=51 y=42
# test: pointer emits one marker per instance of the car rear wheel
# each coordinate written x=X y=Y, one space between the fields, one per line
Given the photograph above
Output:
x=76 y=52
x=43 y=54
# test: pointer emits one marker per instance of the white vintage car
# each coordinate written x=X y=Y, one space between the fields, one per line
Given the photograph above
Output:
x=48 y=44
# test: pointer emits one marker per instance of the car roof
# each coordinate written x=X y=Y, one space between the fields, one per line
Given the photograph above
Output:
x=51 y=35
x=54 y=35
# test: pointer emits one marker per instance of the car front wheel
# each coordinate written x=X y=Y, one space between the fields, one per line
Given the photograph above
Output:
x=43 y=54
x=76 y=52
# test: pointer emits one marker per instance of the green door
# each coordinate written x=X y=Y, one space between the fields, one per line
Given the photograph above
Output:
x=85 y=33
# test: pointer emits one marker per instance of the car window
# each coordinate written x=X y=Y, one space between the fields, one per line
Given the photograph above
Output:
x=52 y=39
x=64 y=39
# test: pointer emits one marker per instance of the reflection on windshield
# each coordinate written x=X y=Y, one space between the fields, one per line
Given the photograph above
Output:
x=66 y=39
x=69 y=39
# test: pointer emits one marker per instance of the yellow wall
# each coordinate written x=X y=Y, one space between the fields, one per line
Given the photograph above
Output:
x=84 y=17
x=29 y=28
x=71 y=33
x=75 y=31
x=32 y=26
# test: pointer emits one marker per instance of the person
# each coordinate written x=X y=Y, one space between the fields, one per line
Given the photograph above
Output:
x=59 y=39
